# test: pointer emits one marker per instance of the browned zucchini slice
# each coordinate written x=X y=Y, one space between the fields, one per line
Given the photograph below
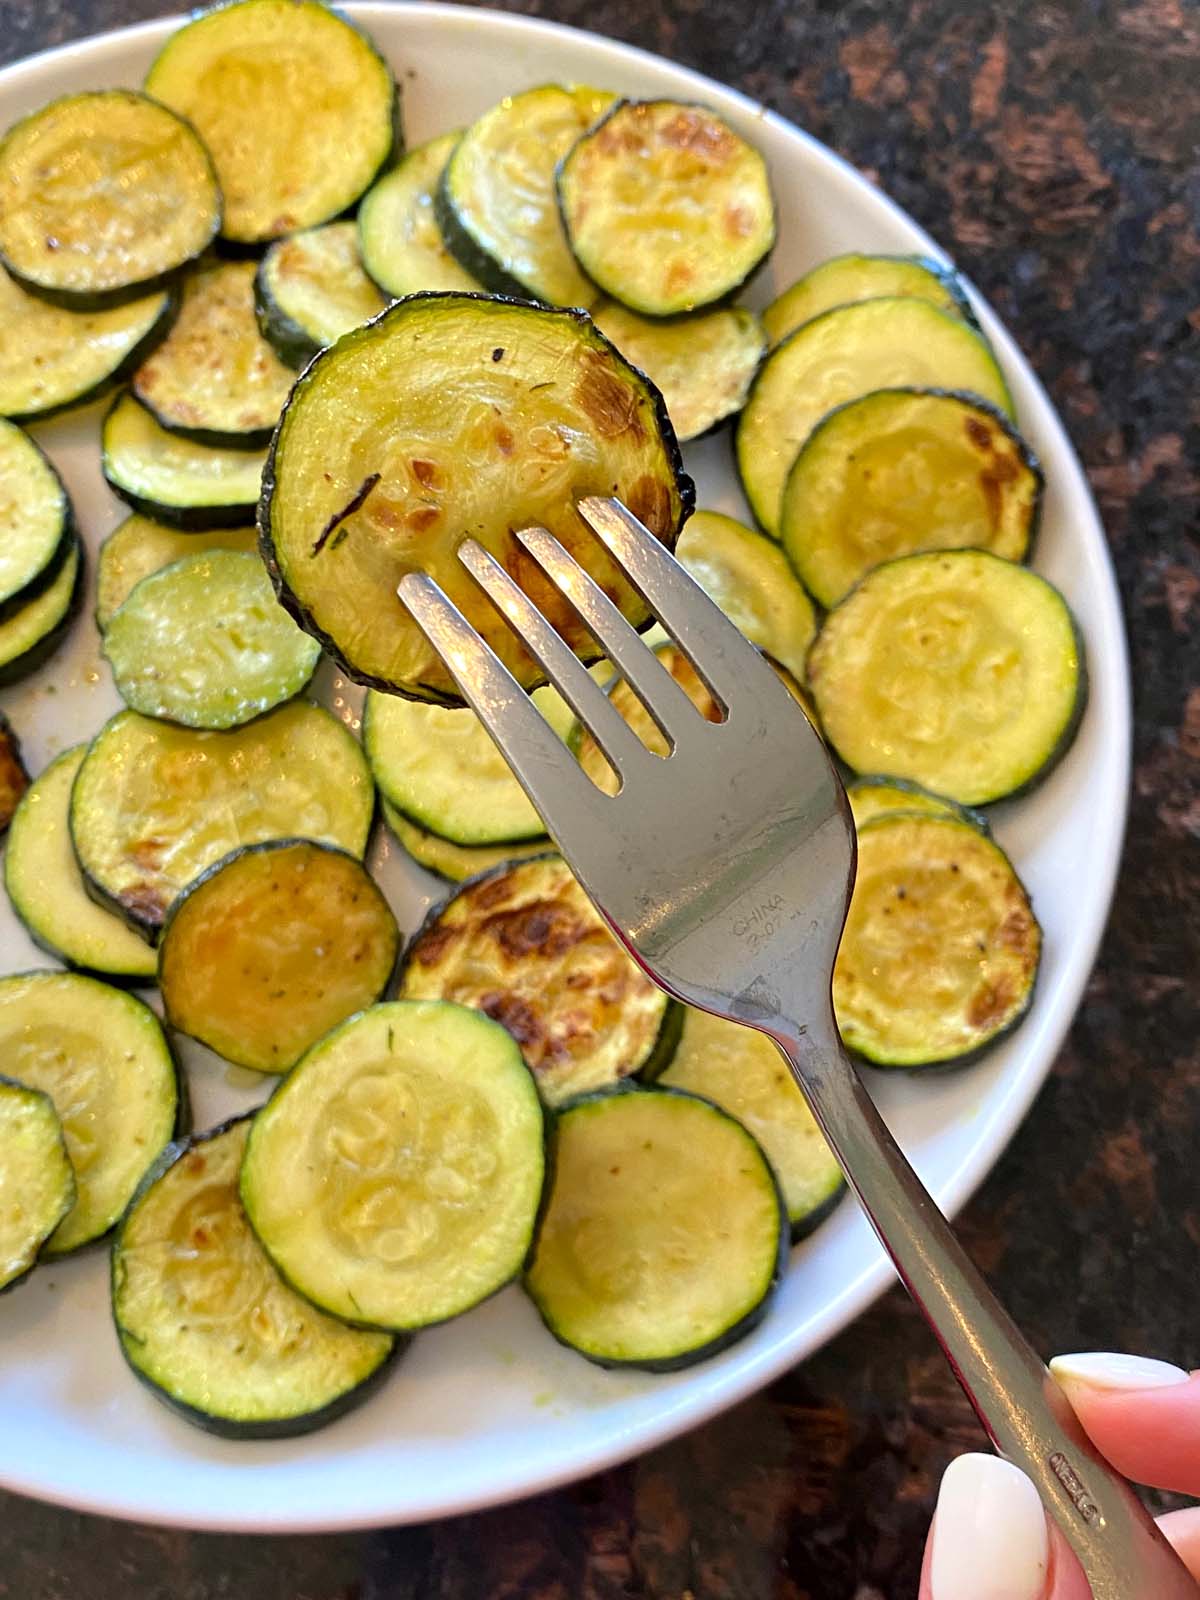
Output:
x=14 y=780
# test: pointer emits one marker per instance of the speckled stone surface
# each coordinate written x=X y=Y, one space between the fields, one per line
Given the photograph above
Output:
x=1051 y=148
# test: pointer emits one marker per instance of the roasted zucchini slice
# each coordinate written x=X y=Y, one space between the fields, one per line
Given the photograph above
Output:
x=205 y=1321
x=173 y=479
x=524 y=944
x=665 y=1231
x=51 y=358
x=957 y=670
x=272 y=947
x=840 y=356
x=666 y=208
x=154 y=804
x=46 y=887
x=14 y=780
x=311 y=289
x=749 y=578
x=205 y=643
x=703 y=364
x=941 y=947
x=37 y=525
x=37 y=1181
x=101 y=1056
x=873 y=796
x=105 y=193
x=140 y=546
x=401 y=244
x=394 y=1177
x=439 y=766
x=214 y=378
x=295 y=104
x=904 y=470
x=451 y=415
x=33 y=633
x=843 y=280
x=740 y=1070
x=496 y=203
x=453 y=862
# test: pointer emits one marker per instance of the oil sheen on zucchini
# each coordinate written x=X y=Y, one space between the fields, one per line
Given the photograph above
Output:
x=215 y=378
x=740 y=1070
x=941 y=947
x=394 y=1177
x=666 y=208
x=105 y=193
x=272 y=947
x=46 y=887
x=453 y=862
x=34 y=632
x=140 y=546
x=453 y=415
x=843 y=280
x=439 y=766
x=842 y=355
x=401 y=244
x=703 y=363
x=154 y=804
x=101 y=1056
x=311 y=289
x=496 y=203
x=957 y=670
x=904 y=470
x=205 y=1321
x=664 y=1234
x=524 y=944
x=36 y=521
x=205 y=643
x=173 y=479
x=873 y=796
x=37 y=1182
x=294 y=103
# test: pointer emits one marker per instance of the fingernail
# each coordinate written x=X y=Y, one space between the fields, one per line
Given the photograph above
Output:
x=989 y=1539
x=1105 y=1371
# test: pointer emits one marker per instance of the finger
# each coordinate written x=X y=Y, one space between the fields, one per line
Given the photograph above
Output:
x=1143 y=1416
x=1182 y=1528
x=989 y=1538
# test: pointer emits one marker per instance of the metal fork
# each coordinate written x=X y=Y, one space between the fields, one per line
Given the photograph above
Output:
x=726 y=871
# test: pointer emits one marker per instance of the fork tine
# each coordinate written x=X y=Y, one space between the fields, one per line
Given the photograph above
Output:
x=544 y=767
x=563 y=667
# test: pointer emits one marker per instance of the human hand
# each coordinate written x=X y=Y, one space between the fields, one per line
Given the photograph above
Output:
x=990 y=1538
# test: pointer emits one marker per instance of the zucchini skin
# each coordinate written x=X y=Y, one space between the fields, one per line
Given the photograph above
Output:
x=972 y=814
x=67 y=540
x=189 y=519
x=30 y=660
x=470 y=256
x=23 y=1277
x=287 y=338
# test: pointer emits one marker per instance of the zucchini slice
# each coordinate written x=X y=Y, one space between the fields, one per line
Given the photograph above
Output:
x=872 y=797
x=140 y=546
x=205 y=643
x=51 y=358
x=173 y=479
x=439 y=767
x=665 y=1232
x=154 y=805
x=401 y=244
x=900 y=471
x=840 y=356
x=37 y=1181
x=524 y=944
x=941 y=947
x=37 y=525
x=843 y=280
x=450 y=415
x=749 y=578
x=453 y=862
x=105 y=193
x=496 y=203
x=740 y=1070
x=271 y=948
x=311 y=289
x=205 y=1321
x=295 y=104
x=14 y=779
x=666 y=208
x=591 y=757
x=703 y=364
x=394 y=1177
x=956 y=670
x=32 y=634
x=214 y=378
x=46 y=887
x=101 y=1056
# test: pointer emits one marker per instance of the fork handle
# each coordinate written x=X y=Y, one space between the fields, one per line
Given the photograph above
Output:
x=1025 y=1413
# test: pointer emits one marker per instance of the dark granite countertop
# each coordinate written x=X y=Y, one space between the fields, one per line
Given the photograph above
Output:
x=1051 y=146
